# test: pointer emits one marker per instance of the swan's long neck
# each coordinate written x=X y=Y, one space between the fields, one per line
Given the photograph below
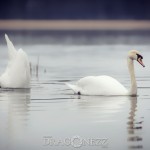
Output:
x=133 y=88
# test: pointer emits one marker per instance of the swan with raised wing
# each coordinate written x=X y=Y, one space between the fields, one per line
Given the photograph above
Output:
x=106 y=85
x=17 y=72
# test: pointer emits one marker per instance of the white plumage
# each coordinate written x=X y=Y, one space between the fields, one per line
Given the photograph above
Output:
x=98 y=85
x=106 y=85
x=17 y=73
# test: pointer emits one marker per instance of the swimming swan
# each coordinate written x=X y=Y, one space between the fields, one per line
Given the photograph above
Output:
x=106 y=85
x=17 y=72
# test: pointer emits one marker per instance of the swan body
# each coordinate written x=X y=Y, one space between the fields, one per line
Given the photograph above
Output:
x=98 y=85
x=106 y=85
x=17 y=73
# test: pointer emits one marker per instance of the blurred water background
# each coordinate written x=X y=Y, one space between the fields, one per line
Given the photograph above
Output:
x=50 y=110
x=66 y=40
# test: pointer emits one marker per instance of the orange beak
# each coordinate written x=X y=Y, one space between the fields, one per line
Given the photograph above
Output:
x=141 y=62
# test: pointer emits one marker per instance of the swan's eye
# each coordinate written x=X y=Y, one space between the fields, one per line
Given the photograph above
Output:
x=139 y=56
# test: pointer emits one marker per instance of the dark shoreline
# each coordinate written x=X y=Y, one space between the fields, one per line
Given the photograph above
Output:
x=77 y=37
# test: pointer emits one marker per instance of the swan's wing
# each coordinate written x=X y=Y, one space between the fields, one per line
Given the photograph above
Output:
x=11 y=49
x=81 y=84
x=101 y=85
x=86 y=81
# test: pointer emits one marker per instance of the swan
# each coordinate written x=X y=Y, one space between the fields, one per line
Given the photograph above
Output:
x=106 y=85
x=17 y=72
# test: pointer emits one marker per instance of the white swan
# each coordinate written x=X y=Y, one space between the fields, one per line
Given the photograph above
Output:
x=106 y=85
x=17 y=73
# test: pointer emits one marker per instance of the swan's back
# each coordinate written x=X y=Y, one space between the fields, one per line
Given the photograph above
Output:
x=99 y=85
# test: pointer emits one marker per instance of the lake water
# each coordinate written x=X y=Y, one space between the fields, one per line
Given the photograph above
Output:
x=49 y=116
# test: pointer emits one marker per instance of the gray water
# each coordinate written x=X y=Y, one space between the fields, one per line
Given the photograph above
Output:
x=50 y=116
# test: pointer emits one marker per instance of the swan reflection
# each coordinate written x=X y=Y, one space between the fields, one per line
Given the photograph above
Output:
x=102 y=108
x=114 y=109
x=134 y=126
x=14 y=107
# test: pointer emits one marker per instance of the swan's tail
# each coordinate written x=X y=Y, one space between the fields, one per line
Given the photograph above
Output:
x=73 y=87
x=11 y=49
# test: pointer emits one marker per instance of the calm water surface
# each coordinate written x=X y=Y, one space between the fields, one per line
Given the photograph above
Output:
x=49 y=116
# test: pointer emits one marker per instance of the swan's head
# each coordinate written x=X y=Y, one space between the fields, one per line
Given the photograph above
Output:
x=135 y=55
